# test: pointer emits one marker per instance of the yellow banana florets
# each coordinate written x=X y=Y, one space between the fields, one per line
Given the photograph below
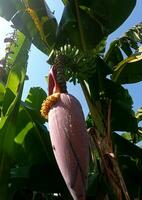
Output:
x=48 y=103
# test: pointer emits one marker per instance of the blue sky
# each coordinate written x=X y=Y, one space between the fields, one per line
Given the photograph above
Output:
x=38 y=67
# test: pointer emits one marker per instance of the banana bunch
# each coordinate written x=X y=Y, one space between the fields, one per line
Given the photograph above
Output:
x=77 y=65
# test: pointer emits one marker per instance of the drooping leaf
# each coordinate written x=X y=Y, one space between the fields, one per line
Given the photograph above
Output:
x=34 y=19
x=129 y=70
x=85 y=24
x=81 y=35
x=126 y=69
x=125 y=46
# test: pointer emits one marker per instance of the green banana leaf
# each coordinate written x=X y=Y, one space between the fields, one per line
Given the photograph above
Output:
x=129 y=70
x=123 y=118
x=15 y=80
x=34 y=101
x=124 y=57
x=124 y=46
x=85 y=23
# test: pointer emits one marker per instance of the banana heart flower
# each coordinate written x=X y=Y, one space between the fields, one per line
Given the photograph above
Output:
x=68 y=135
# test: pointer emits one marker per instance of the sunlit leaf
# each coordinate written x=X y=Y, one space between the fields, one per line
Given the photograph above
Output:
x=138 y=55
x=129 y=70
x=12 y=96
x=17 y=74
x=125 y=46
x=9 y=109
x=20 y=137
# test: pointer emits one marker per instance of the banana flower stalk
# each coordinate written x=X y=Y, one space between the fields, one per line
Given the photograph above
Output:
x=68 y=135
